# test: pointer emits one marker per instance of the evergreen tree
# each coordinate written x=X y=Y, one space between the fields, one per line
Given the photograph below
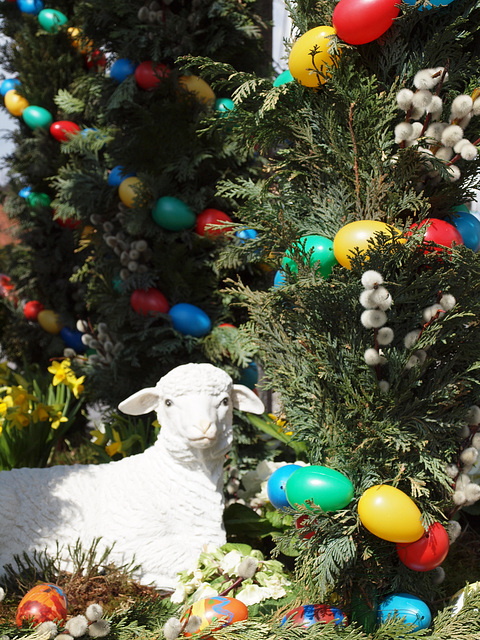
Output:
x=125 y=144
x=368 y=323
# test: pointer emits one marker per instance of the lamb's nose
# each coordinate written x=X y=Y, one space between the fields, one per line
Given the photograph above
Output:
x=205 y=424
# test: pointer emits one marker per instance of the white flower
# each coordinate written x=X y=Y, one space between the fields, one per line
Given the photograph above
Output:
x=252 y=594
x=204 y=591
x=179 y=595
x=276 y=585
x=231 y=562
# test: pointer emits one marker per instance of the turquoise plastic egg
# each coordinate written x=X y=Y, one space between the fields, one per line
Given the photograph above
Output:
x=328 y=489
x=51 y=19
x=37 y=117
x=172 y=214
x=403 y=605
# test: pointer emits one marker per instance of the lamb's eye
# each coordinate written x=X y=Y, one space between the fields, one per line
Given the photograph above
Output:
x=168 y=403
x=226 y=402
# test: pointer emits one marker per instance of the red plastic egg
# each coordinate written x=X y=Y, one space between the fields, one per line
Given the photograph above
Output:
x=32 y=309
x=210 y=217
x=427 y=553
x=63 y=130
x=42 y=603
x=209 y=610
x=362 y=21
x=149 y=302
x=148 y=74
x=96 y=60
x=300 y=524
x=438 y=231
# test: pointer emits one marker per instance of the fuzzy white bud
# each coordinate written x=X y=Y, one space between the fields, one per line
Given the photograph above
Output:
x=454 y=529
x=404 y=99
x=464 y=432
x=172 y=628
x=383 y=385
x=459 y=498
x=371 y=279
x=82 y=326
x=382 y=298
x=465 y=121
x=193 y=624
x=373 y=318
x=451 y=135
x=385 y=336
x=99 y=629
x=476 y=107
x=423 y=79
x=438 y=72
x=435 y=106
x=48 y=627
x=417 y=113
x=422 y=99
x=458 y=147
x=461 y=105
x=366 y=299
x=469 y=152
x=476 y=441
x=430 y=312
x=473 y=415
x=411 y=362
x=411 y=338
x=77 y=626
x=403 y=131
x=472 y=493
x=247 y=568
x=372 y=357
x=87 y=339
x=434 y=131
x=417 y=128
x=444 y=153
x=469 y=456
x=452 y=471
x=447 y=301
x=462 y=481
x=454 y=173
x=94 y=612
x=438 y=575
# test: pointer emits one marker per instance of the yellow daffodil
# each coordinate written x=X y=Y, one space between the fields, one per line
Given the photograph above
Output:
x=5 y=403
x=98 y=437
x=76 y=385
x=280 y=423
x=19 y=419
x=58 y=420
x=115 y=446
x=22 y=398
x=59 y=370
x=41 y=413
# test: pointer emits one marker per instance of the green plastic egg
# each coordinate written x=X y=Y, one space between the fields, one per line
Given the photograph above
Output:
x=327 y=488
x=51 y=19
x=37 y=117
x=172 y=214
x=322 y=252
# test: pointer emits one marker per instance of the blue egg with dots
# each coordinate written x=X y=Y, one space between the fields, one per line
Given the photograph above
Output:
x=8 y=84
x=414 y=612
x=276 y=485
x=121 y=69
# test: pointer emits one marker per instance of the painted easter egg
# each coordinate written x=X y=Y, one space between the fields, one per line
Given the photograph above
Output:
x=279 y=279
x=42 y=603
x=320 y=250
x=32 y=7
x=428 y=552
x=276 y=485
x=132 y=192
x=172 y=214
x=37 y=117
x=390 y=514
x=308 y=614
x=219 y=608
x=223 y=106
x=51 y=19
x=404 y=606
x=121 y=69
x=38 y=199
x=302 y=526
x=249 y=376
x=303 y=65
x=190 y=320
x=246 y=234
x=149 y=75
x=31 y=310
x=8 y=84
x=283 y=78
x=328 y=489
x=359 y=235
x=149 y=302
x=49 y=321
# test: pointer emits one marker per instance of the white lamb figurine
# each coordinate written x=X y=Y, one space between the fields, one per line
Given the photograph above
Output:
x=159 y=507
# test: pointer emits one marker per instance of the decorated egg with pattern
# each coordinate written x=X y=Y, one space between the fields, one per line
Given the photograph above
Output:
x=308 y=614
x=219 y=608
x=42 y=603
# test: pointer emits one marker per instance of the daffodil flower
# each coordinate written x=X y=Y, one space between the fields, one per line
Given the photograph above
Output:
x=58 y=420
x=115 y=446
x=59 y=371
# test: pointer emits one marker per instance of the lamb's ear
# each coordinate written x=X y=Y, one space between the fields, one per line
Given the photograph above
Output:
x=143 y=401
x=245 y=400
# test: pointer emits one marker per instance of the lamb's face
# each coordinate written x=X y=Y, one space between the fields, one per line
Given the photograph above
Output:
x=202 y=420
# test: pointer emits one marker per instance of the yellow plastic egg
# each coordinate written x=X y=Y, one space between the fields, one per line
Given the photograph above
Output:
x=203 y=92
x=132 y=192
x=15 y=103
x=79 y=41
x=390 y=514
x=310 y=54
x=49 y=321
x=357 y=235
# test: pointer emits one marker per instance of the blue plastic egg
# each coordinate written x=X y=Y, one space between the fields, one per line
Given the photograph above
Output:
x=190 y=320
x=249 y=376
x=73 y=339
x=405 y=606
x=8 y=84
x=33 y=7
x=25 y=192
x=279 y=279
x=468 y=226
x=246 y=234
x=431 y=4
x=121 y=69
x=223 y=106
x=117 y=175
x=276 y=485
x=308 y=614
